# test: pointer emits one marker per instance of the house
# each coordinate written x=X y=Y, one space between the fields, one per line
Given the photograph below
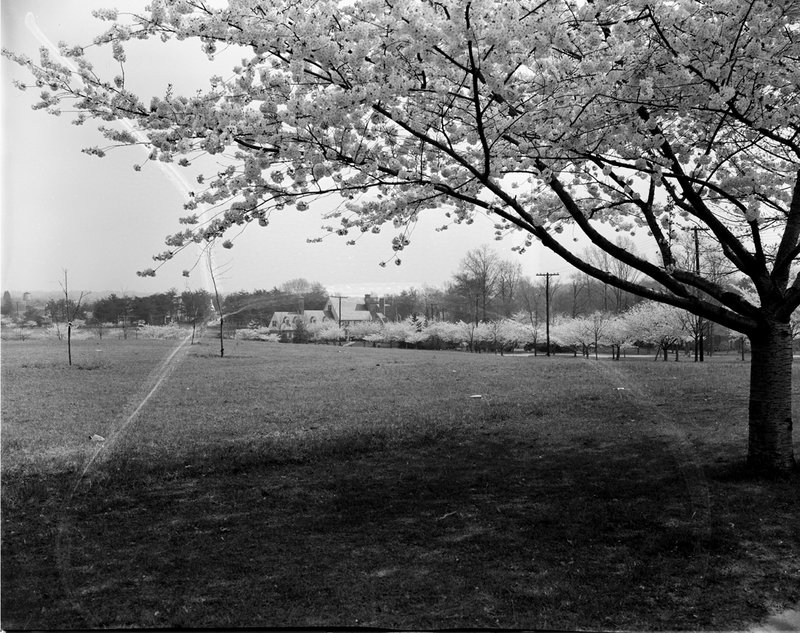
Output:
x=347 y=311
x=286 y=324
x=340 y=310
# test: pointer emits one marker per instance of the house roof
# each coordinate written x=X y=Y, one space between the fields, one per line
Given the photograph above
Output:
x=352 y=310
x=307 y=316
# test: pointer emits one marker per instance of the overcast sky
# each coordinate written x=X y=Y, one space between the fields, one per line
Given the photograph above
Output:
x=102 y=221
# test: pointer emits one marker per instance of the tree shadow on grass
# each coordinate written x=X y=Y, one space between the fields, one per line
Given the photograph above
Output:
x=504 y=529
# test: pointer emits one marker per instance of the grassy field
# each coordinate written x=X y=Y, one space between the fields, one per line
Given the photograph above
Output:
x=289 y=485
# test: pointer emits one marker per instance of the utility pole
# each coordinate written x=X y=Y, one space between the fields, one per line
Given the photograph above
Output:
x=547 y=304
x=698 y=348
x=339 y=313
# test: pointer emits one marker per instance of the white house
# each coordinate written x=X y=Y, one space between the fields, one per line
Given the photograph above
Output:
x=285 y=323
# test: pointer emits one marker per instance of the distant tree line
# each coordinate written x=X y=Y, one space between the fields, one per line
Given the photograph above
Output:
x=157 y=309
x=256 y=307
x=485 y=288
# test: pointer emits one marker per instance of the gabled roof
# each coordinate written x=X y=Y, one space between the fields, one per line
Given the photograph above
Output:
x=352 y=310
x=279 y=318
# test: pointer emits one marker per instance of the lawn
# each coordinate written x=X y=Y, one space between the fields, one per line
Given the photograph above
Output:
x=288 y=485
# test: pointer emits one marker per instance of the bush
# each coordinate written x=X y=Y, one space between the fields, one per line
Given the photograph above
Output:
x=162 y=332
x=326 y=332
x=56 y=331
x=256 y=334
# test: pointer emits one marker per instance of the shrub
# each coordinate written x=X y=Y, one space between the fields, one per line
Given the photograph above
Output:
x=162 y=332
x=256 y=334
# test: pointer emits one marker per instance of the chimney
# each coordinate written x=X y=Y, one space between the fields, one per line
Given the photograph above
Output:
x=301 y=304
x=382 y=305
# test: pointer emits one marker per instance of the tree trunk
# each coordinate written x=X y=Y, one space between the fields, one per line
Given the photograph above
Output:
x=770 y=411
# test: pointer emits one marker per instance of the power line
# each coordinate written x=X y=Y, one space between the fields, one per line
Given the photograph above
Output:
x=547 y=304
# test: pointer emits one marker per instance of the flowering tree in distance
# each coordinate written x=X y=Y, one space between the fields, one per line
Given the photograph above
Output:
x=542 y=114
x=658 y=324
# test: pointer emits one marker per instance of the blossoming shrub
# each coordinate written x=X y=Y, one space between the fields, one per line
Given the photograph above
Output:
x=256 y=334
x=162 y=332
x=361 y=331
x=81 y=333
x=443 y=334
x=418 y=338
x=326 y=332
x=13 y=332
x=57 y=331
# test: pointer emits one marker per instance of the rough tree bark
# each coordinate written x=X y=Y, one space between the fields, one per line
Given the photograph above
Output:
x=770 y=411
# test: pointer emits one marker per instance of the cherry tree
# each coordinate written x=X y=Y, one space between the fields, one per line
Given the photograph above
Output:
x=417 y=337
x=470 y=334
x=617 y=333
x=630 y=114
x=364 y=330
x=398 y=331
x=598 y=325
x=326 y=331
x=443 y=333
x=513 y=333
x=577 y=332
x=501 y=334
x=533 y=327
x=658 y=324
x=567 y=333
x=72 y=309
